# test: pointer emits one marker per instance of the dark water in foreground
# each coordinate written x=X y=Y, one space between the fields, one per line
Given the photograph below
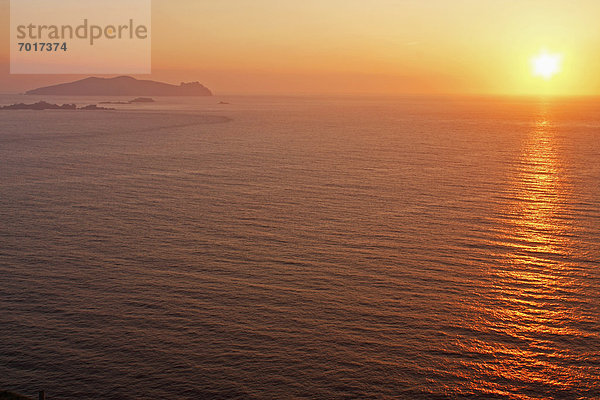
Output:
x=308 y=248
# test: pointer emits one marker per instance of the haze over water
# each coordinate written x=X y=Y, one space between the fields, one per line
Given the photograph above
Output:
x=302 y=248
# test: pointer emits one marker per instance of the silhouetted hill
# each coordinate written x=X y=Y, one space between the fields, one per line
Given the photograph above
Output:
x=122 y=86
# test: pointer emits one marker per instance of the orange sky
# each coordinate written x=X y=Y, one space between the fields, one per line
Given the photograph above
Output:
x=355 y=46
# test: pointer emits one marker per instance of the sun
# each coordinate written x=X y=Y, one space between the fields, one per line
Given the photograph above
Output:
x=546 y=65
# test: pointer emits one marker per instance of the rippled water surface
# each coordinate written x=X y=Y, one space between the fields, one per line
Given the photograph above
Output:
x=302 y=248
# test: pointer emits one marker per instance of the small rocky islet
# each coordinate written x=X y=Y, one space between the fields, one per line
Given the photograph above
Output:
x=43 y=105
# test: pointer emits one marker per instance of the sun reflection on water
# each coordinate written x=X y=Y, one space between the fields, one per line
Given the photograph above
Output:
x=530 y=306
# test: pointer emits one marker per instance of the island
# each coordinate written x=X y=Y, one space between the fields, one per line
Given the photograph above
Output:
x=143 y=100
x=121 y=86
x=136 y=100
x=42 y=105
x=94 y=107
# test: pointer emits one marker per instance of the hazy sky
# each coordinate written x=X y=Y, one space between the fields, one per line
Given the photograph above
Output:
x=378 y=46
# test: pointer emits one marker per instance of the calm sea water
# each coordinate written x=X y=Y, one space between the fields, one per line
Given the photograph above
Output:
x=314 y=248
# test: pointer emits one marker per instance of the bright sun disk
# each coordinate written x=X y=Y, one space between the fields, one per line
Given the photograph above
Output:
x=546 y=65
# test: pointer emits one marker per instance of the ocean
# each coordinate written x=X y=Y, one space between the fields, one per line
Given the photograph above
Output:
x=301 y=248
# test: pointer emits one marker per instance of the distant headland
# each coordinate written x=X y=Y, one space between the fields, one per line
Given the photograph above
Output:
x=122 y=86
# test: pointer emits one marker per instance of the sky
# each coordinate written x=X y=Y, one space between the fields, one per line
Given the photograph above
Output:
x=470 y=47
